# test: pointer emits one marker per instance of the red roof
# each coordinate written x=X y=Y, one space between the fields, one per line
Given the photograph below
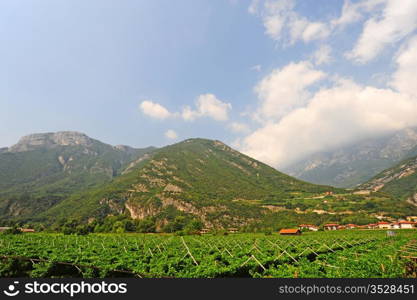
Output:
x=289 y=231
x=326 y=225
x=383 y=223
x=405 y=222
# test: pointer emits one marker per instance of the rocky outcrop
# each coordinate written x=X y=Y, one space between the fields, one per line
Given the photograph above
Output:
x=38 y=140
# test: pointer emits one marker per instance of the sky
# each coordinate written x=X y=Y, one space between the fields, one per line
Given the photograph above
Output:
x=276 y=79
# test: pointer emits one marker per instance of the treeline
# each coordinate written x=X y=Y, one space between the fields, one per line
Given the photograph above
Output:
x=116 y=224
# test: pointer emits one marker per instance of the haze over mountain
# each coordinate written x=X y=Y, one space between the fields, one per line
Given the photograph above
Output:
x=354 y=164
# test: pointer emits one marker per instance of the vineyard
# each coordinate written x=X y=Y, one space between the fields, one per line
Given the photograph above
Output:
x=353 y=253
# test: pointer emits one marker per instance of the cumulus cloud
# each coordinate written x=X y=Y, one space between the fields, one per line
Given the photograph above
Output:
x=323 y=55
x=154 y=110
x=397 y=21
x=281 y=21
x=207 y=105
x=171 y=134
x=285 y=89
x=332 y=117
x=405 y=77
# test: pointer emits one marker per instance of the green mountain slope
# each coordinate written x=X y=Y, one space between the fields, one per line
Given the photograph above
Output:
x=400 y=181
x=198 y=177
x=43 y=169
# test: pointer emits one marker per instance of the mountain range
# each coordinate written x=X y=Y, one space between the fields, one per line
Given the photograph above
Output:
x=56 y=176
x=43 y=169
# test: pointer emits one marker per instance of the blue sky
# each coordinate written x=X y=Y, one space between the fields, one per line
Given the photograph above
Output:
x=255 y=74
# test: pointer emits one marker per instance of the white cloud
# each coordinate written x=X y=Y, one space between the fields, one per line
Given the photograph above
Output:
x=171 y=134
x=238 y=127
x=353 y=12
x=398 y=20
x=332 y=117
x=285 y=89
x=405 y=78
x=282 y=22
x=315 y=30
x=154 y=110
x=207 y=105
x=323 y=55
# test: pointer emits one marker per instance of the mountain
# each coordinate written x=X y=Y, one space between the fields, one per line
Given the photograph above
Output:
x=399 y=181
x=355 y=164
x=43 y=169
x=69 y=178
x=201 y=178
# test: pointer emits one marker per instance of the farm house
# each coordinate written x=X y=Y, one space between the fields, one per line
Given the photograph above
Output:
x=384 y=225
x=331 y=226
x=290 y=232
x=309 y=227
x=406 y=224
x=351 y=226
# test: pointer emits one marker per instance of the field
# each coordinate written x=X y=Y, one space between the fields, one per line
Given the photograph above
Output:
x=348 y=253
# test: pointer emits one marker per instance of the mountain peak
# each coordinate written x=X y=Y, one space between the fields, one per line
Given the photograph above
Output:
x=50 y=139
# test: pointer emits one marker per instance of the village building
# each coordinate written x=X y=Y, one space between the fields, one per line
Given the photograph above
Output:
x=4 y=228
x=204 y=231
x=372 y=226
x=308 y=227
x=233 y=230
x=331 y=226
x=384 y=225
x=406 y=224
x=395 y=225
x=290 y=232
x=351 y=226
x=27 y=230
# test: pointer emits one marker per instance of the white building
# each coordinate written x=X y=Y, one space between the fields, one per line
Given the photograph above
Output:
x=308 y=226
x=384 y=225
x=406 y=224
x=331 y=226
